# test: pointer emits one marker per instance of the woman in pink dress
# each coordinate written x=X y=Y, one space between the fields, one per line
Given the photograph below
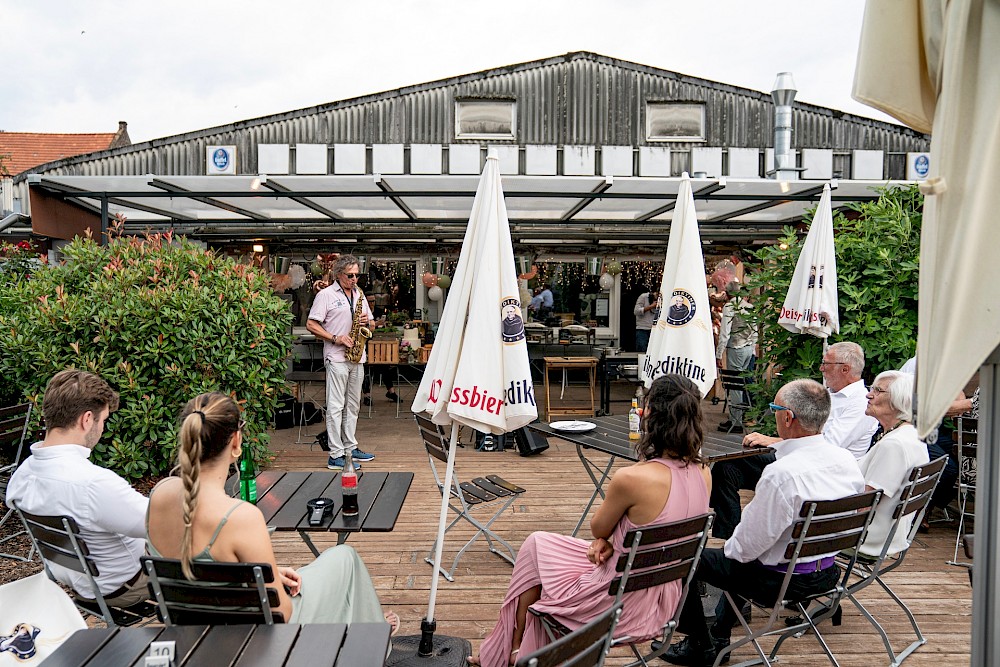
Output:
x=569 y=577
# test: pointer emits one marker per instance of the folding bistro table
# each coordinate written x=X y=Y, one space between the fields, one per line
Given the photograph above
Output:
x=610 y=437
x=281 y=645
x=282 y=498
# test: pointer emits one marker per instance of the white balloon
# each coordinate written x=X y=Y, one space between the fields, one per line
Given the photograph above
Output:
x=435 y=293
x=298 y=276
x=606 y=282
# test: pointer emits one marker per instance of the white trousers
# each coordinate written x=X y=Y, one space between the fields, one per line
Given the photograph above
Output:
x=343 y=396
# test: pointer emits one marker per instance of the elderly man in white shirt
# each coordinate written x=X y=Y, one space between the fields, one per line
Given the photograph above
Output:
x=751 y=564
x=59 y=479
x=848 y=427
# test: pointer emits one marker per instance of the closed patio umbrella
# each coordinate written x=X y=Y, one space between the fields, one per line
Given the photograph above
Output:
x=933 y=65
x=478 y=372
x=681 y=340
x=811 y=303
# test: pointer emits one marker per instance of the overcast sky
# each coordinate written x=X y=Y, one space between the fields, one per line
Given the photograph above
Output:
x=173 y=67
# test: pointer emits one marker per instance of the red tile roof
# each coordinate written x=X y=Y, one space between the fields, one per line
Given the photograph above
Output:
x=20 y=151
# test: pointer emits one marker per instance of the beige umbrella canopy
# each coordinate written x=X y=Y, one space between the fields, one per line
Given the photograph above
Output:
x=934 y=67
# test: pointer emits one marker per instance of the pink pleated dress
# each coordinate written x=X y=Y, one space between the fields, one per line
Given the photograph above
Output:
x=574 y=590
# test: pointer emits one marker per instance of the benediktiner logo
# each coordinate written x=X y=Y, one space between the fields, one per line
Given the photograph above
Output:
x=682 y=308
x=511 y=322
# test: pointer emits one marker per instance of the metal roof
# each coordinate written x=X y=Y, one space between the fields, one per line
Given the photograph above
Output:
x=416 y=209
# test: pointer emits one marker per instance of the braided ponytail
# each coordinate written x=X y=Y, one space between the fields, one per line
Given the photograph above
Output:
x=207 y=424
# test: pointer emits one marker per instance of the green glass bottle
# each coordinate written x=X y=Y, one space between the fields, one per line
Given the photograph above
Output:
x=248 y=478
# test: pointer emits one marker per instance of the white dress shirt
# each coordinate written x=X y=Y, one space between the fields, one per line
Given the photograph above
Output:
x=61 y=480
x=887 y=466
x=848 y=426
x=809 y=468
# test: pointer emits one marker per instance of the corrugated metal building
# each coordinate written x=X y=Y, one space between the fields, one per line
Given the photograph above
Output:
x=590 y=148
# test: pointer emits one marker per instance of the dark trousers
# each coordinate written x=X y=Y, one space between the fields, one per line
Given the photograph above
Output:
x=744 y=581
x=945 y=491
x=383 y=373
x=642 y=340
x=728 y=477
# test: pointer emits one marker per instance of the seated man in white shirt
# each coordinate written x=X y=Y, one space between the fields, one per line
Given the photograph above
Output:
x=58 y=479
x=750 y=565
x=848 y=427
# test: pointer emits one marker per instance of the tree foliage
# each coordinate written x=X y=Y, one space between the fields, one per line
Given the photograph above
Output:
x=161 y=320
x=878 y=254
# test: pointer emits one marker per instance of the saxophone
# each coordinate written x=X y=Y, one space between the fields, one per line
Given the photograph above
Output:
x=360 y=334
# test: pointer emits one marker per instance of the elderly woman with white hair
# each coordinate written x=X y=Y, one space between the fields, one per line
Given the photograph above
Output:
x=888 y=463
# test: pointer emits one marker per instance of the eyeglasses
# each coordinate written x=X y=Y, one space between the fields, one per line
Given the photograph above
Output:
x=775 y=409
x=877 y=390
x=831 y=363
x=242 y=425
x=351 y=276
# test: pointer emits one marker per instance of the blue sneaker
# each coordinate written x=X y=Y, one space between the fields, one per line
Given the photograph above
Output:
x=362 y=456
x=338 y=463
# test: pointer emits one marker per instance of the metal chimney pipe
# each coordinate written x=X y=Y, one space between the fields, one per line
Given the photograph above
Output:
x=783 y=94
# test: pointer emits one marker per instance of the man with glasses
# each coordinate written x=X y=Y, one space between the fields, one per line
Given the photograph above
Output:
x=750 y=564
x=58 y=479
x=331 y=319
x=848 y=426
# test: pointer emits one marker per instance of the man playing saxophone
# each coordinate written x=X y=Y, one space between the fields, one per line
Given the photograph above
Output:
x=340 y=317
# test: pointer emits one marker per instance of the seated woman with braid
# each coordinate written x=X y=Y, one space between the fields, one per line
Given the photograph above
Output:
x=191 y=518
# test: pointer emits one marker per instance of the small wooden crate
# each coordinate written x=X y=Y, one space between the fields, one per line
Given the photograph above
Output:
x=423 y=354
x=383 y=352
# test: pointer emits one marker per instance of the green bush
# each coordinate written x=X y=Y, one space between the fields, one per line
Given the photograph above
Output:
x=161 y=320
x=878 y=255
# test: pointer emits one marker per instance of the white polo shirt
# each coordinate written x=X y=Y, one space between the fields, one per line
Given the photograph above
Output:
x=809 y=468
x=848 y=426
x=61 y=480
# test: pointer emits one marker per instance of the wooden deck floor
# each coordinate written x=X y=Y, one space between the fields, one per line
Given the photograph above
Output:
x=939 y=594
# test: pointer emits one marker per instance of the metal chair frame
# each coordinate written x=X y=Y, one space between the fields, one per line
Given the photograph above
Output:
x=58 y=540
x=966 y=444
x=734 y=381
x=823 y=527
x=656 y=555
x=465 y=498
x=913 y=502
x=14 y=422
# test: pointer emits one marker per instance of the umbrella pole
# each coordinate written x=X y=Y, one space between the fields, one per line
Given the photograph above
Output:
x=428 y=625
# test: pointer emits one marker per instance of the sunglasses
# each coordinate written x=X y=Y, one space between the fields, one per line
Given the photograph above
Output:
x=775 y=409
x=351 y=276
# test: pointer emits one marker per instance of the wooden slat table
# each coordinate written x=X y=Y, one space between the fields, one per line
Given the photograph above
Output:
x=315 y=645
x=282 y=498
x=610 y=437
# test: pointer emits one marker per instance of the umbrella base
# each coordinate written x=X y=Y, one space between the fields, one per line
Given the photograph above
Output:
x=447 y=651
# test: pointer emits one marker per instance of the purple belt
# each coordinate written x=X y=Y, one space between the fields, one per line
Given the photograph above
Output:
x=804 y=568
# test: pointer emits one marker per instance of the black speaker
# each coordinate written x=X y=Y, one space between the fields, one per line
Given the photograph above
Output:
x=284 y=413
x=530 y=442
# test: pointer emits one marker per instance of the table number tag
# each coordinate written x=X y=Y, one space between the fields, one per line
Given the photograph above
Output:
x=161 y=654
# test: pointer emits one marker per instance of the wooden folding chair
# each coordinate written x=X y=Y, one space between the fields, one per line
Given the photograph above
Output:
x=486 y=491
x=656 y=555
x=58 y=540
x=221 y=593
x=966 y=443
x=913 y=502
x=14 y=423
x=586 y=646
x=823 y=527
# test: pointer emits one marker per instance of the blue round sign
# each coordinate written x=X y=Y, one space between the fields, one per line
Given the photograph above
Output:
x=922 y=165
x=220 y=158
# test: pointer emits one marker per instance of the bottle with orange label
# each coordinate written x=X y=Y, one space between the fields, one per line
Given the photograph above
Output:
x=633 y=420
